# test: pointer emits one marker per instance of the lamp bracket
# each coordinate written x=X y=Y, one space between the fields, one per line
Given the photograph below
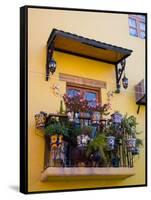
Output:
x=119 y=69
x=50 y=50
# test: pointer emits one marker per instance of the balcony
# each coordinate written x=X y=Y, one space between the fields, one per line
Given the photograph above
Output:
x=66 y=157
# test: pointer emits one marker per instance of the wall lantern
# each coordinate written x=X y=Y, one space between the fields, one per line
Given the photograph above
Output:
x=50 y=62
x=52 y=66
x=125 y=82
x=120 y=68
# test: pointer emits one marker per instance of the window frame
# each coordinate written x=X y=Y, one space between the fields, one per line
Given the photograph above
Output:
x=84 y=89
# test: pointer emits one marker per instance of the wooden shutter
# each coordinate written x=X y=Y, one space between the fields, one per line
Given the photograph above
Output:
x=140 y=92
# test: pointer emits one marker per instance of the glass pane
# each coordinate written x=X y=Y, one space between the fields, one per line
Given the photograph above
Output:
x=132 y=22
x=73 y=92
x=133 y=32
x=142 y=26
x=91 y=97
x=142 y=34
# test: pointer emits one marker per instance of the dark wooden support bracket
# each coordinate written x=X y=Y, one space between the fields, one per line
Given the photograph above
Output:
x=142 y=101
x=138 y=109
x=50 y=50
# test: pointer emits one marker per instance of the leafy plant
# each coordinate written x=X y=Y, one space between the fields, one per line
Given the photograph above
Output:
x=86 y=130
x=98 y=144
x=56 y=128
x=102 y=109
x=139 y=142
x=73 y=132
x=129 y=125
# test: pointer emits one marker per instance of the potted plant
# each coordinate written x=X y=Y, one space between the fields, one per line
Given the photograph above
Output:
x=96 y=149
x=129 y=129
x=85 y=136
x=116 y=117
x=111 y=133
x=40 y=119
x=130 y=144
x=56 y=128
x=97 y=111
x=57 y=132
x=74 y=105
x=136 y=150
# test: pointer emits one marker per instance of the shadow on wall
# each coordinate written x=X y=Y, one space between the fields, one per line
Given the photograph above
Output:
x=14 y=187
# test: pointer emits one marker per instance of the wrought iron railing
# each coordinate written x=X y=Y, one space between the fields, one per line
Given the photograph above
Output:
x=65 y=152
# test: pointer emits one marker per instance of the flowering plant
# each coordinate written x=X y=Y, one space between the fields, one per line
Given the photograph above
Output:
x=76 y=103
x=103 y=109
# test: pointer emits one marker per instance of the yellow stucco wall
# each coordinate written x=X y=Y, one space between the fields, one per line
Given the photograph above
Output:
x=109 y=28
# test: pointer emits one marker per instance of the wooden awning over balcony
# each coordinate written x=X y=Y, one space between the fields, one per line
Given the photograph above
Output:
x=84 y=47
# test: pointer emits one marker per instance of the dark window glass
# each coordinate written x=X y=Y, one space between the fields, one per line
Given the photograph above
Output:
x=132 y=22
x=142 y=26
x=73 y=92
x=91 y=97
x=142 y=34
x=133 y=31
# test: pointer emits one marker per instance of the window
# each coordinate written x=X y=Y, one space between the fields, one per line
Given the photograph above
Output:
x=91 y=94
x=137 y=26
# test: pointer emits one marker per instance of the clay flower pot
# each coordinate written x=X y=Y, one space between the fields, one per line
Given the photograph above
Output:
x=116 y=117
x=40 y=119
x=131 y=144
x=136 y=151
x=95 y=117
x=110 y=142
x=57 y=153
x=70 y=116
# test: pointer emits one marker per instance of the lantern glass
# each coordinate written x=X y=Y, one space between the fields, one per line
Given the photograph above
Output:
x=52 y=66
x=125 y=82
